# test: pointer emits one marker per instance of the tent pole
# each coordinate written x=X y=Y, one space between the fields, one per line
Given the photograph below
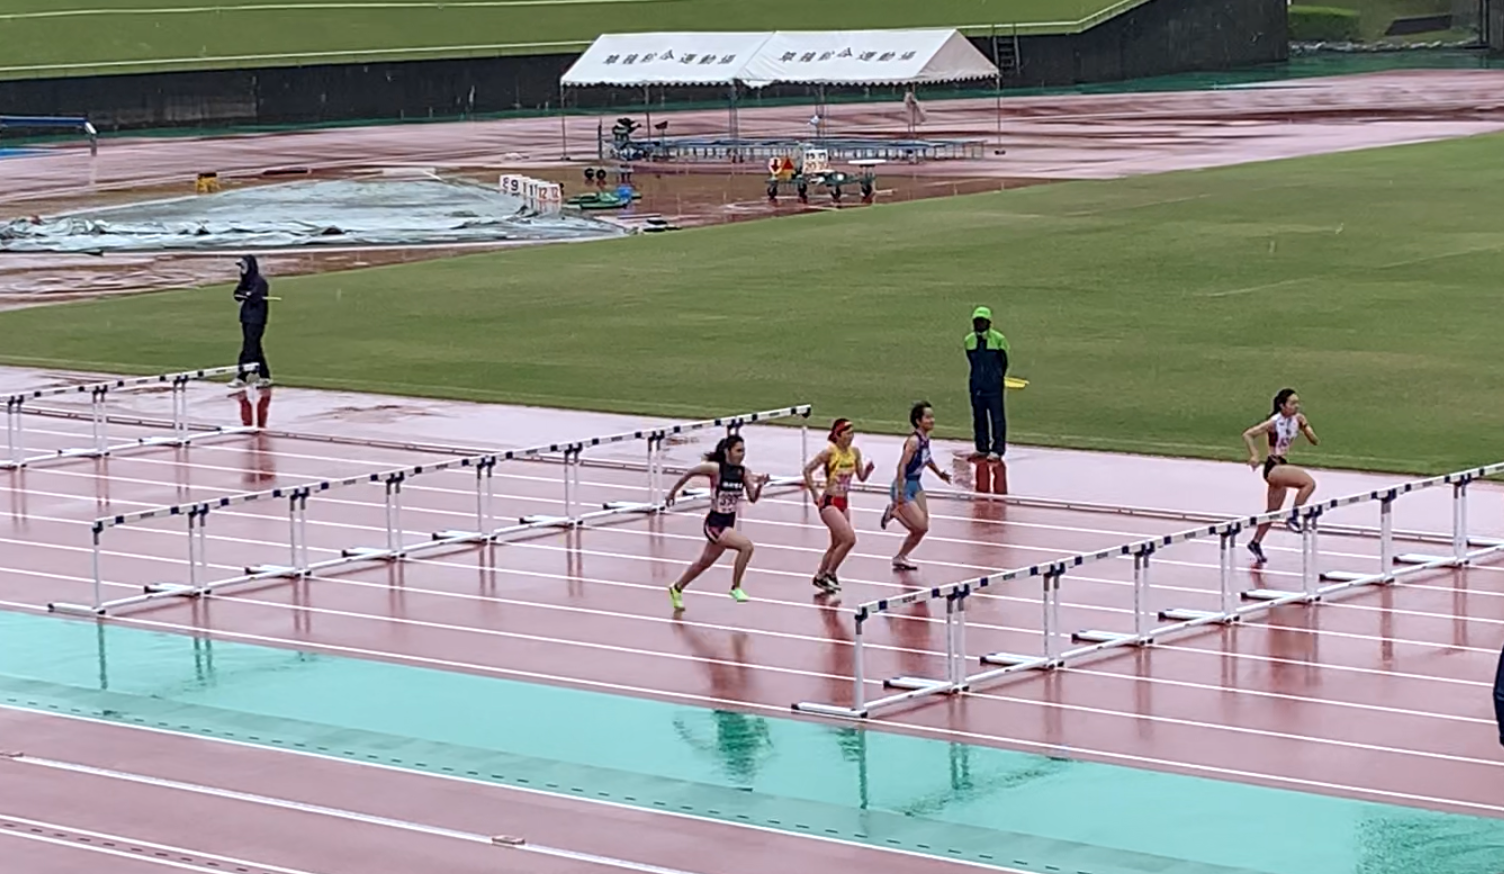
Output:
x=563 y=127
x=997 y=91
x=647 y=107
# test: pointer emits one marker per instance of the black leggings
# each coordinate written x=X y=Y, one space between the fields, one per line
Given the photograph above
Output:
x=250 y=348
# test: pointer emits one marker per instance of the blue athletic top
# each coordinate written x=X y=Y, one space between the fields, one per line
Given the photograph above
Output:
x=914 y=470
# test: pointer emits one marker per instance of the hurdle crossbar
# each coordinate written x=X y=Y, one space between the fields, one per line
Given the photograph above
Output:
x=486 y=530
x=1149 y=626
x=182 y=433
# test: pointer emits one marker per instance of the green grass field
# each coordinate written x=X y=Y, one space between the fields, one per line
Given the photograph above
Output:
x=1155 y=314
x=68 y=37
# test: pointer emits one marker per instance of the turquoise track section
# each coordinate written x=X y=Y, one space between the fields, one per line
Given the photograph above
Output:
x=957 y=801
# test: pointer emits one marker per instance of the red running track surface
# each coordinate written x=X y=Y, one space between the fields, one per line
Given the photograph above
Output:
x=1382 y=695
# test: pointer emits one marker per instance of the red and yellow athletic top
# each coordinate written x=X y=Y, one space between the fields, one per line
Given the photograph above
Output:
x=840 y=467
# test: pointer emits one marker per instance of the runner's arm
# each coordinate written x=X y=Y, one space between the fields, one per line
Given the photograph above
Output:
x=705 y=470
x=755 y=482
x=815 y=463
x=909 y=448
x=863 y=470
x=1250 y=440
x=1305 y=428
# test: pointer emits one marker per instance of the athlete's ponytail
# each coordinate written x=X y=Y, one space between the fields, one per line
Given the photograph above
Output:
x=1279 y=400
x=723 y=448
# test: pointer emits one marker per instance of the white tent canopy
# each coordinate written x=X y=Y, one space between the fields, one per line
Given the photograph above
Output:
x=842 y=57
x=664 y=59
x=866 y=57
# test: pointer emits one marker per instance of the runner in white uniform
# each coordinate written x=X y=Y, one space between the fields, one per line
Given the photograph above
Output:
x=1284 y=425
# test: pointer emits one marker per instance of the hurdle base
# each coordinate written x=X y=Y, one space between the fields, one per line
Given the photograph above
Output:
x=460 y=536
x=169 y=589
x=1094 y=636
x=1343 y=576
x=631 y=507
x=1009 y=660
x=87 y=452
x=1423 y=558
x=272 y=570
x=829 y=710
x=551 y=521
x=75 y=609
x=1271 y=595
x=1180 y=614
x=916 y=684
x=370 y=553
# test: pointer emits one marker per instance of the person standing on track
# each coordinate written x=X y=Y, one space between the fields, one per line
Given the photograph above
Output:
x=841 y=462
x=909 y=505
x=987 y=352
x=730 y=481
x=1282 y=427
x=251 y=292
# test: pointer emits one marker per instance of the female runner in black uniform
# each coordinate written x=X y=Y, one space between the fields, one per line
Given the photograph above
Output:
x=729 y=482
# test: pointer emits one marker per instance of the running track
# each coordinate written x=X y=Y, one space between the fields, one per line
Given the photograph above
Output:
x=1381 y=696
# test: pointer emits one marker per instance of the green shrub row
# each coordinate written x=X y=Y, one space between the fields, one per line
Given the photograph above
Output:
x=1322 y=24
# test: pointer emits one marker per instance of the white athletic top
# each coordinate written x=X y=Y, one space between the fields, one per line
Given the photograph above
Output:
x=1286 y=429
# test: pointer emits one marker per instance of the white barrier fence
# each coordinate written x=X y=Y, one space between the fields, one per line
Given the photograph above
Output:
x=538 y=194
x=196 y=514
x=1149 y=625
x=181 y=433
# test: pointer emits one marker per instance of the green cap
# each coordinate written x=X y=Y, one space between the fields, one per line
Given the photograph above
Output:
x=982 y=313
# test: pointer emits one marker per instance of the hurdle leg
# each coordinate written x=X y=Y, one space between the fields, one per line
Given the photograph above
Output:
x=101 y=421
x=1386 y=538
x=1052 y=616
x=485 y=494
x=1459 y=522
x=15 y=435
x=394 y=516
x=1308 y=557
x=1141 y=594
x=958 y=664
x=94 y=566
x=858 y=667
x=1227 y=546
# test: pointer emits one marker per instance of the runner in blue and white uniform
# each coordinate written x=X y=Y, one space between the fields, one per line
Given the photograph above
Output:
x=1284 y=424
x=729 y=483
x=908 y=505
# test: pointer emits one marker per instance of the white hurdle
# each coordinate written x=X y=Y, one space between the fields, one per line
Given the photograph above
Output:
x=1055 y=648
x=486 y=529
x=181 y=434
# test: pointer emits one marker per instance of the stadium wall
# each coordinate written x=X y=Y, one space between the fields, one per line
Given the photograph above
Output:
x=1161 y=37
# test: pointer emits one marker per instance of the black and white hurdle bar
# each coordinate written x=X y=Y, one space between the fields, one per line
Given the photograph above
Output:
x=99 y=419
x=299 y=565
x=1146 y=630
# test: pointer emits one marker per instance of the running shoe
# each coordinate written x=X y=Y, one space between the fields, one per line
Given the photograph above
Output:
x=887 y=517
x=237 y=382
x=900 y=564
x=825 y=582
x=835 y=584
x=1257 y=550
x=739 y=596
x=264 y=383
x=1294 y=525
x=677 y=597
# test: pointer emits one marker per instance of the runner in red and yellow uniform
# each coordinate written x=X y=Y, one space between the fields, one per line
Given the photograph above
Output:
x=841 y=461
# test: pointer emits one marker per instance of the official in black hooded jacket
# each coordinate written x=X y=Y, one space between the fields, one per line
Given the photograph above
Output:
x=1499 y=697
x=254 y=309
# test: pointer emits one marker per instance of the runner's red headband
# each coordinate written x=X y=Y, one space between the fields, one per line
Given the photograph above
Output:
x=839 y=427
